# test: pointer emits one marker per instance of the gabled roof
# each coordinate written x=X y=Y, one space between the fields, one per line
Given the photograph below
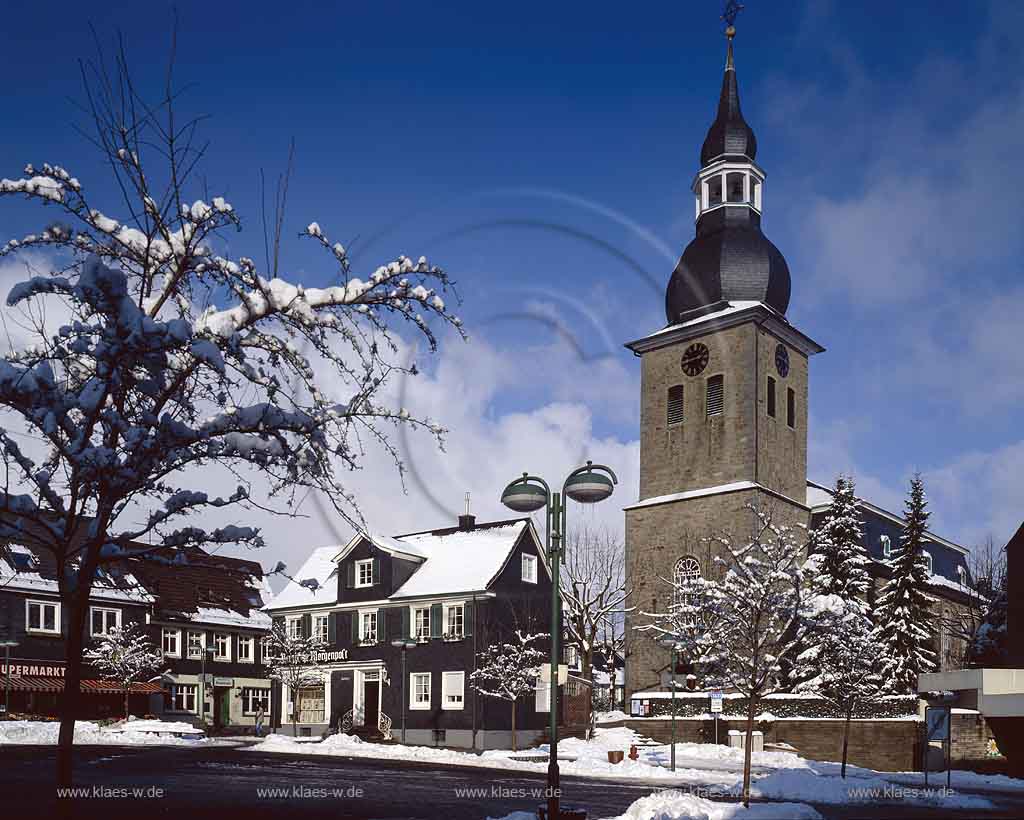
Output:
x=322 y=567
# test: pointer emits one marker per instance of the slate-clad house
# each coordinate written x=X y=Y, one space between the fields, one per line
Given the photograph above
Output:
x=208 y=601
x=453 y=591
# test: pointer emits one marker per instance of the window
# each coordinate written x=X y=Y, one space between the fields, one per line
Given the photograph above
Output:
x=790 y=407
x=755 y=190
x=364 y=573
x=253 y=698
x=221 y=646
x=42 y=616
x=245 y=649
x=684 y=573
x=455 y=619
x=886 y=546
x=676 y=413
x=715 y=191
x=294 y=627
x=196 y=644
x=419 y=690
x=265 y=649
x=961 y=572
x=530 y=568
x=930 y=562
x=771 y=397
x=24 y=560
x=368 y=626
x=310 y=702
x=452 y=690
x=171 y=642
x=421 y=623
x=102 y=621
x=572 y=656
x=736 y=183
x=716 y=395
x=321 y=627
x=183 y=696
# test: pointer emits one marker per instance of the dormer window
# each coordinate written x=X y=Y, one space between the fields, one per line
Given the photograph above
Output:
x=886 y=546
x=364 y=573
x=961 y=572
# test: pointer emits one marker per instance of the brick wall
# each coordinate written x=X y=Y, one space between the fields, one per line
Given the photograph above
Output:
x=971 y=735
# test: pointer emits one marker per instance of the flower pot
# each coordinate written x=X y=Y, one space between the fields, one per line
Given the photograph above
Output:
x=616 y=756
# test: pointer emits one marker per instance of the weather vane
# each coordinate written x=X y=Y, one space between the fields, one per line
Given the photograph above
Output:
x=732 y=8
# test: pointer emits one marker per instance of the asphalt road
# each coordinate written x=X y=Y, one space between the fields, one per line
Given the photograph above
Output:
x=226 y=783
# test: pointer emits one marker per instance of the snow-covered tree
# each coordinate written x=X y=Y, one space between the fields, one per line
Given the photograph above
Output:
x=837 y=564
x=978 y=624
x=125 y=655
x=902 y=617
x=509 y=671
x=291 y=659
x=175 y=363
x=742 y=628
x=594 y=593
x=840 y=663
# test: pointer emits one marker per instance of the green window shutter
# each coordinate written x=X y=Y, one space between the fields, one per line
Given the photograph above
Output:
x=354 y=621
x=350 y=575
x=332 y=628
x=382 y=625
x=376 y=570
x=307 y=625
x=467 y=618
x=406 y=626
x=436 y=618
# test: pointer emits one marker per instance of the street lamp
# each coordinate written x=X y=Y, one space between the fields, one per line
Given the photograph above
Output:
x=584 y=485
x=207 y=653
x=669 y=643
x=405 y=644
x=7 y=645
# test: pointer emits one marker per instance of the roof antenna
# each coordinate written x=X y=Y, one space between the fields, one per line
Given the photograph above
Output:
x=467 y=503
x=467 y=520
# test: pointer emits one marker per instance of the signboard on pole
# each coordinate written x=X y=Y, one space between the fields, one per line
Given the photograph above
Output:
x=716 y=701
x=936 y=719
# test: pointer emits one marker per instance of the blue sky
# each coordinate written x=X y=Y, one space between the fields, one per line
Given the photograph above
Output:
x=542 y=153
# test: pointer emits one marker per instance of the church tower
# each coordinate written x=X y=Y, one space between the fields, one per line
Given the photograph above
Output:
x=723 y=406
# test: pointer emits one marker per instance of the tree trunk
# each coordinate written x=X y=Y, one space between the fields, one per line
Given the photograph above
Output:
x=514 y=749
x=846 y=737
x=126 y=702
x=751 y=703
x=72 y=693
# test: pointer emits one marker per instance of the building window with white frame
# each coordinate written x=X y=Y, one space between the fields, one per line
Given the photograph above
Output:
x=102 y=621
x=530 y=568
x=221 y=646
x=368 y=626
x=170 y=641
x=421 y=623
x=253 y=697
x=364 y=573
x=453 y=690
x=961 y=572
x=246 y=648
x=419 y=690
x=294 y=626
x=183 y=697
x=322 y=627
x=455 y=619
x=886 y=546
x=42 y=616
x=930 y=562
x=196 y=644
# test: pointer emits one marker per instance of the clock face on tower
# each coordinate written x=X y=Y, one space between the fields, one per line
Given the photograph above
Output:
x=782 y=360
x=695 y=359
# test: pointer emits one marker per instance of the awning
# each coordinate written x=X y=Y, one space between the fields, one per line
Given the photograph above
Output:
x=21 y=683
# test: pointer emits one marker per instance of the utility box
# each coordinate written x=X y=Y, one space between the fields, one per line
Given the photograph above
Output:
x=735 y=739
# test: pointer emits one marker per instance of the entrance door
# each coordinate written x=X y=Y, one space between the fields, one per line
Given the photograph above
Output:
x=371 y=703
x=221 y=706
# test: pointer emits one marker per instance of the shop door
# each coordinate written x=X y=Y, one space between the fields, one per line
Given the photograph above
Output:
x=371 y=694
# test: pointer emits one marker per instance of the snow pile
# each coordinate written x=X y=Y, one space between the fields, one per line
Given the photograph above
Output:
x=610 y=717
x=88 y=733
x=517 y=815
x=674 y=805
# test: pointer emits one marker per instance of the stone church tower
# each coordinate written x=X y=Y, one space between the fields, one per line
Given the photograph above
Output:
x=723 y=407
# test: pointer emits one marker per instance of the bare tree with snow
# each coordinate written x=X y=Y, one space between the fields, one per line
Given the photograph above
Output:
x=742 y=628
x=176 y=357
x=509 y=671
x=594 y=594
x=291 y=659
x=125 y=655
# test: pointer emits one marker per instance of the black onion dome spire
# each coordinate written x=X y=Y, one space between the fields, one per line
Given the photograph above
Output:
x=729 y=134
x=730 y=260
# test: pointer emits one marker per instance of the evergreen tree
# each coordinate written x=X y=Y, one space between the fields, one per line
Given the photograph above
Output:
x=902 y=617
x=838 y=564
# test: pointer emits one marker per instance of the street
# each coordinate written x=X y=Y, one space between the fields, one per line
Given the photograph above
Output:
x=230 y=781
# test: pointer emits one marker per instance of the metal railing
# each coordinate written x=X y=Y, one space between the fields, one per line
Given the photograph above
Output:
x=384 y=726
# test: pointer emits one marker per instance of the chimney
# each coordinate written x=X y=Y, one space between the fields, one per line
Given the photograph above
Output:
x=467 y=521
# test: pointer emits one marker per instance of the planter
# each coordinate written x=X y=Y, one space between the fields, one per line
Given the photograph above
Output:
x=615 y=757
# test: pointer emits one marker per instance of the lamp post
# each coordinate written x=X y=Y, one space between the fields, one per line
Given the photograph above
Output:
x=585 y=485
x=670 y=644
x=405 y=644
x=7 y=645
x=207 y=652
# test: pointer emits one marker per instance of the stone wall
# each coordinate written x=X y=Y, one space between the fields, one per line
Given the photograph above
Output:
x=971 y=735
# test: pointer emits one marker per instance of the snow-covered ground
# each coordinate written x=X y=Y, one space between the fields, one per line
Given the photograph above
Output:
x=673 y=805
x=702 y=770
x=136 y=732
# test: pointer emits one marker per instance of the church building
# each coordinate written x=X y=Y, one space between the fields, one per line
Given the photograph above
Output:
x=724 y=402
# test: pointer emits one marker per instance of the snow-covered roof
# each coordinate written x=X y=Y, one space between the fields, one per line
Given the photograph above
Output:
x=721 y=488
x=818 y=496
x=31 y=570
x=459 y=560
x=320 y=567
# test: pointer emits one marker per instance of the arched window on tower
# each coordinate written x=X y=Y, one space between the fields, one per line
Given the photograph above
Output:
x=714 y=191
x=735 y=182
x=684 y=573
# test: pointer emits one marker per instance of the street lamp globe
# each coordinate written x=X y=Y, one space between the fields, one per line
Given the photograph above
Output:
x=589 y=486
x=524 y=496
